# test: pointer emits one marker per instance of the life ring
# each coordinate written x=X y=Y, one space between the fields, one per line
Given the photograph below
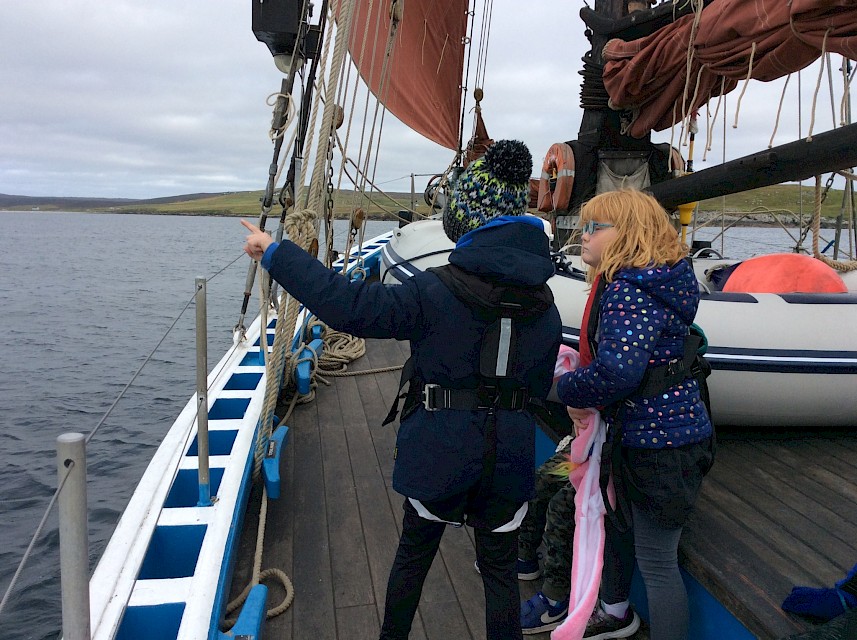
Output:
x=559 y=165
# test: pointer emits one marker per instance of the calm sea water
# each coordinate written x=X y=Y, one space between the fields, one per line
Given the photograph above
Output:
x=84 y=298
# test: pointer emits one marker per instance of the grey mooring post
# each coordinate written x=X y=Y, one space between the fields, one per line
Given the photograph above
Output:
x=202 y=394
x=74 y=536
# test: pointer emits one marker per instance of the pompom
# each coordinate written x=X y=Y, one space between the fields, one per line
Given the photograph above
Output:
x=509 y=161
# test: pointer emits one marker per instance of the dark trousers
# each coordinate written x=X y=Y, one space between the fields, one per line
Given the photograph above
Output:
x=496 y=554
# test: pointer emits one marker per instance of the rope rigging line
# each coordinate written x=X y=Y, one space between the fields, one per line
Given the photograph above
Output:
x=372 y=146
x=259 y=575
x=818 y=85
x=843 y=266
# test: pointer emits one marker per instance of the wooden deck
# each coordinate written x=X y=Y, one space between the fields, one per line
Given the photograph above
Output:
x=775 y=512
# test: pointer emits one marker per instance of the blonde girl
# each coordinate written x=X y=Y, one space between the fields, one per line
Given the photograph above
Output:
x=643 y=299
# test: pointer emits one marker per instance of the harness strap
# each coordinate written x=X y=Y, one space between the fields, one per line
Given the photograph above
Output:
x=407 y=374
x=658 y=379
x=435 y=398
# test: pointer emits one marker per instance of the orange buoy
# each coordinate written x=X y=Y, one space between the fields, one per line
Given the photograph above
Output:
x=784 y=273
x=558 y=165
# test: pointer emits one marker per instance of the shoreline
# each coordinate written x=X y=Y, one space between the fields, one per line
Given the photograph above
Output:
x=702 y=218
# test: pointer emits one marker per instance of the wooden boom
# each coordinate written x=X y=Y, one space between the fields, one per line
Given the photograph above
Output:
x=826 y=152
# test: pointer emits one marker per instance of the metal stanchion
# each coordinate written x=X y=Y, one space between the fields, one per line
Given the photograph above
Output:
x=74 y=536
x=202 y=394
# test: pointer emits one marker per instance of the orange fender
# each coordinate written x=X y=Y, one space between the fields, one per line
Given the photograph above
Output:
x=784 y=273
x=559 y=163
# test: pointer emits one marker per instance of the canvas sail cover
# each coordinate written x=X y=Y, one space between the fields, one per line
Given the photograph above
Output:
x=423 y=87
x=781 y=37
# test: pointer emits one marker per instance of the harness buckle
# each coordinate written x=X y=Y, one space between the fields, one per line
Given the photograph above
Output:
x=428 y=397
x=520 y=398
x=675 y=366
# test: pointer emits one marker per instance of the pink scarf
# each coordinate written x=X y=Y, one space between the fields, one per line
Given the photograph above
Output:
x=588 y=554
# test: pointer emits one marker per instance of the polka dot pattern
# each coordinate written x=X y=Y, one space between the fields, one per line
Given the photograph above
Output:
x=645 y=314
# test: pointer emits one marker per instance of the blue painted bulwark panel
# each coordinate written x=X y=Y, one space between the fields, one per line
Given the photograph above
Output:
x=185 y=489
x=160 y=621
x=219 y=443
x=250 y=359
x=228 y=408
x=270 y=340
x=243 y=381
x=172 y=553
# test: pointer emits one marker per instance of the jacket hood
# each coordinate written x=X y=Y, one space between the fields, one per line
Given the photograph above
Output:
x=676 y=286
x=514 y=249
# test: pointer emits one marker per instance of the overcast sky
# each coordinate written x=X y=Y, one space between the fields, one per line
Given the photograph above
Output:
x=167 y=97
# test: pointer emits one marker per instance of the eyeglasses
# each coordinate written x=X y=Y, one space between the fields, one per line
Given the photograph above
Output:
x=592 y=226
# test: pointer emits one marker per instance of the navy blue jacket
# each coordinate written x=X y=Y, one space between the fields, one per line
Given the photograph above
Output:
x=645 y=314
x=440 y=453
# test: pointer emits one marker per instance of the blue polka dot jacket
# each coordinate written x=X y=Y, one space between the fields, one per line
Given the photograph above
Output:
x=645 y=314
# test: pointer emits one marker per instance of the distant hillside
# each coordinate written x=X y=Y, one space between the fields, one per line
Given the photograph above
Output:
x=89 y=204
x=237 y=203
x=779 y=198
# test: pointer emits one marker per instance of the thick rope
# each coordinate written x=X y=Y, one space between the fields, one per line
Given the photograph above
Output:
x=326 y=131
x=259 y=575
x=779 y=112
x=713 y=120
x=744 y=88
x=843 y=266
x=817 y=86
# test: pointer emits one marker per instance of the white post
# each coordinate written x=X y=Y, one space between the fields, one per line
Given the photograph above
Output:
x=202 y=394
x=74 y=536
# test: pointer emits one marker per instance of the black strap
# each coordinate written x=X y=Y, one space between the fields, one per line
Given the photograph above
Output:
x=407 y=374
x=435 y=397
x=611 y=460
x=658 y=379
x=484 y=398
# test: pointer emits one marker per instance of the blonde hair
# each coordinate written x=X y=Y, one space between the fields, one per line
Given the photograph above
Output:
x=644 y=235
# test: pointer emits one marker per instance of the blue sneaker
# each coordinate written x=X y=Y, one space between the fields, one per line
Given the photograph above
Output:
x=528 y=569
x=538 y=615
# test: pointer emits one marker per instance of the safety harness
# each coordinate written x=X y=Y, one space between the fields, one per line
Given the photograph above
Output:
x=655 y=381
x=504 y=308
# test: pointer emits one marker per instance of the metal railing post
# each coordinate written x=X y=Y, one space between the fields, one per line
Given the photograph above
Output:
x=202 y=394
x=74 y=536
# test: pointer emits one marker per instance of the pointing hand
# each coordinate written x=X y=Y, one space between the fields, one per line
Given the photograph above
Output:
x=257 y=242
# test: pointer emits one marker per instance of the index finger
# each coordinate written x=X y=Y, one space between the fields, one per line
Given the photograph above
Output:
x=252 y=227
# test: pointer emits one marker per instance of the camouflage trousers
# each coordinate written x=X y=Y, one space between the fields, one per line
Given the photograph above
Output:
x=550 y=519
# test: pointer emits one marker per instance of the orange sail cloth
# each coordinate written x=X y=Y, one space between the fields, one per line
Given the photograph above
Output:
x=423 y=88
x=784 y=273
x=649 y=74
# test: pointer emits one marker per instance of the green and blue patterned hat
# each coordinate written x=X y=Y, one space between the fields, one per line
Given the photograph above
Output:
x=497 y=184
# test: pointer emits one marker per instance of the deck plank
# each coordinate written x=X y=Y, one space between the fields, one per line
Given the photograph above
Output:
x=770 y=517
x=352 y=584
x=772 y=514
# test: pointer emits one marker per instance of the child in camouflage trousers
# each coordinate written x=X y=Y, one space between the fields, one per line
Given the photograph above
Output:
x=549 y=520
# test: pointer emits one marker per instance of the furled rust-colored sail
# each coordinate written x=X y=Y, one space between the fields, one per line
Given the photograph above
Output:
x=480 y=141
x=423 y=88
x=780 y=37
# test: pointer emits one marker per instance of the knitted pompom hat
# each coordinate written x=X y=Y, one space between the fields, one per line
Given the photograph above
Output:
x=495 y=185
